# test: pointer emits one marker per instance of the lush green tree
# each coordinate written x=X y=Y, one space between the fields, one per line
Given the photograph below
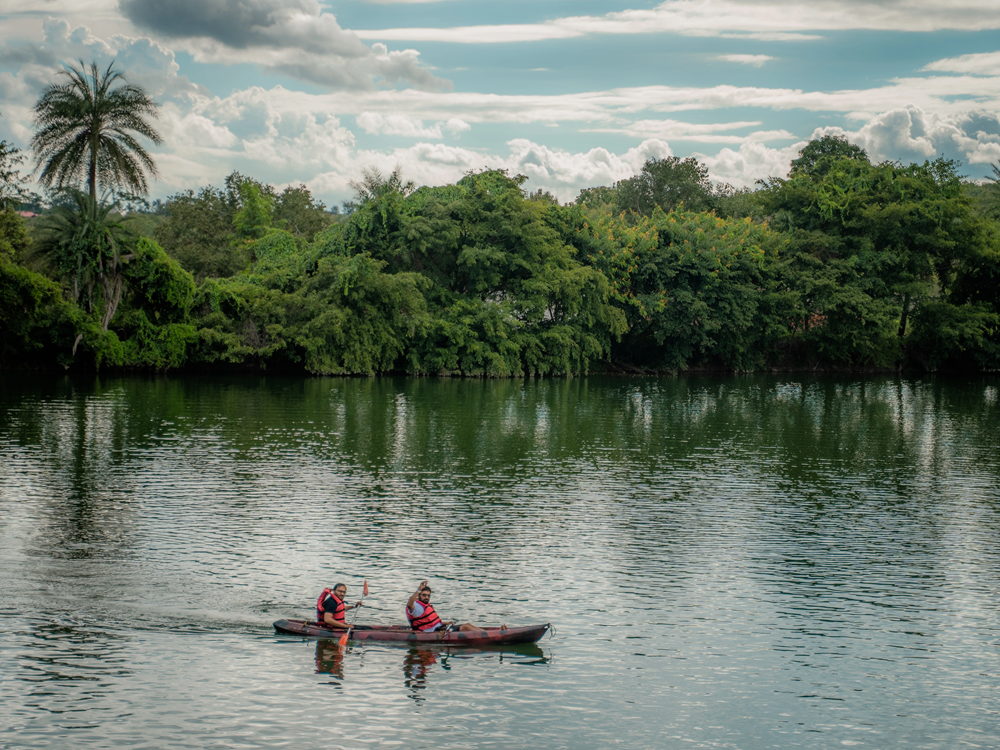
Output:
x=544 y=196
x=507 y=295
x=345 y=315
x=977 y=289
x=597 y=196
x=695 y=288
x=14 y=237
x=12 y=183
x=255 y=214
x=154 y=324
x=986 y=196
x=87 y=244
x=818 y=154
x=297 y=212
x=198 y=232
x=213 y=233
x=36 y=324
x=84 y=129
x=943 y=333
x=739 y=203
x=869 y=244
x=857 y=265
x=667 y=183
x=376 y=220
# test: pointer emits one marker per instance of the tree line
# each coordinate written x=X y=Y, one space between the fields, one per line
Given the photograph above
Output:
x=844 y=264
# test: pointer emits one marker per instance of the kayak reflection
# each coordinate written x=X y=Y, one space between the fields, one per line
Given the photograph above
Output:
x=330 y=658
x=420 y=662
x=417 y=665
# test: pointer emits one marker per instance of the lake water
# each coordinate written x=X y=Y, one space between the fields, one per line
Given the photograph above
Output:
x=729 y=562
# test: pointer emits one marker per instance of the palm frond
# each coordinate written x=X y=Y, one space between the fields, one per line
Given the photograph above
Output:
x=86 y=126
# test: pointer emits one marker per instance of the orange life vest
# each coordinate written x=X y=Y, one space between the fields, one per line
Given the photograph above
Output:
x=426 y=621
x=338 y=613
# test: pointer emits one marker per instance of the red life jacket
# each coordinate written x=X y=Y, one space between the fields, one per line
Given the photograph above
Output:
x=338 y=613
x=426 y=621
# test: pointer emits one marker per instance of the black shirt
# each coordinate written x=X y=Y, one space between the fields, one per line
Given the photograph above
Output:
x=330 y=605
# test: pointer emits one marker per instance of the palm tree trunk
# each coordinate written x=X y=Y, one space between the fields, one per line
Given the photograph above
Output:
x=92 y=174
x=112 y=282
x=902 y=318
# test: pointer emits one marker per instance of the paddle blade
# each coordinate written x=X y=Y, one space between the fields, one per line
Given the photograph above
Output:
x=343 y=638
x=365 y=593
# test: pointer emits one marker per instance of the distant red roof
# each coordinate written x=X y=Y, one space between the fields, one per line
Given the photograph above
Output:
x=27 y=214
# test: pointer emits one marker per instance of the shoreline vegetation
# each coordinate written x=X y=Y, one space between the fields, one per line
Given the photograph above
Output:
x=844 y=265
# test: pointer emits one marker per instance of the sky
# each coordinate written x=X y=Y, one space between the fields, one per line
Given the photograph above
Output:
x=572 y=94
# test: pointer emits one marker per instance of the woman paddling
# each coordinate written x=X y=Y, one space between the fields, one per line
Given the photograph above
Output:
x=330 y=608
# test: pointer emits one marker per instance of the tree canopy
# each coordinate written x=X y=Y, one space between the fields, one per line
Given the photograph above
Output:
x=825 y=150
x=667 y=183
x=843 y=264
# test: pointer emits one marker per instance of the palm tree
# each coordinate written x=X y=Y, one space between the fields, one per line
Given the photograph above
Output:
x=84 y=243
x=84 y=127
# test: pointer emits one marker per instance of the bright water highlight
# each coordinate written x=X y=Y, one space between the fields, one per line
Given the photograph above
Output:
x=759 y=562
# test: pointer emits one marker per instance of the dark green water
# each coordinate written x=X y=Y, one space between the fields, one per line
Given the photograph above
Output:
x=760 y=562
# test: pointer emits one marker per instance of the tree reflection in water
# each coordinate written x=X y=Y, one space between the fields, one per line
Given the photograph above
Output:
x=74 y=672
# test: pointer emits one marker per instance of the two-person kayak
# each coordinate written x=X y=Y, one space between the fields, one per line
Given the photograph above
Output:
x=487 y=636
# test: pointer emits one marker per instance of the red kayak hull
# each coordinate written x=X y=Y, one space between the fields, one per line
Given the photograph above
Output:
x=403 y=634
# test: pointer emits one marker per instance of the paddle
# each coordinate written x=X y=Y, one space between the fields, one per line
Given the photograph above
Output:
x=347 y=633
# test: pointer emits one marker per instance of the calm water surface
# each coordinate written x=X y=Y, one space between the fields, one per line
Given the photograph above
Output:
x=765 y=562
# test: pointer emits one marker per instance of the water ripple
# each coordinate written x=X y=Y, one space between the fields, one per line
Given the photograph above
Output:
x=730 y=562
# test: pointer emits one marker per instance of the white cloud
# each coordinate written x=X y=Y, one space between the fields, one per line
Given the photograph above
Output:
x=565 y=172
x=675 y=130
x=615 y=109
x=752 y=161
x=498 y=34
x=913 y=134
x=981 y=64
x=755 y=60
x=905 y=134
x=190 y=132
x=93 y=9
x=774 y=20
x=144 y=61
x=374 y=123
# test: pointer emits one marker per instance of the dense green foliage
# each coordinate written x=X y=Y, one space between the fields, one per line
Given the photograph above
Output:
x=695 y=288
x=817 y=155
x=844 y=264
x=667 y=183
x=34 y=318
x=12 y=183
x=201 y=230
x=872 y=245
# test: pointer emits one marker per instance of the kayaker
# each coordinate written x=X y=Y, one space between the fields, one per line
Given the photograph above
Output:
x=330 y=607
x=422 y=616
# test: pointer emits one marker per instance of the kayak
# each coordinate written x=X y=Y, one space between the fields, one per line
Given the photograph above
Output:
x=403 y=634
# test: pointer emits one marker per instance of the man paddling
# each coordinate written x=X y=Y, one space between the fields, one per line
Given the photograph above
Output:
x=422 y=616
x=330 y=608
